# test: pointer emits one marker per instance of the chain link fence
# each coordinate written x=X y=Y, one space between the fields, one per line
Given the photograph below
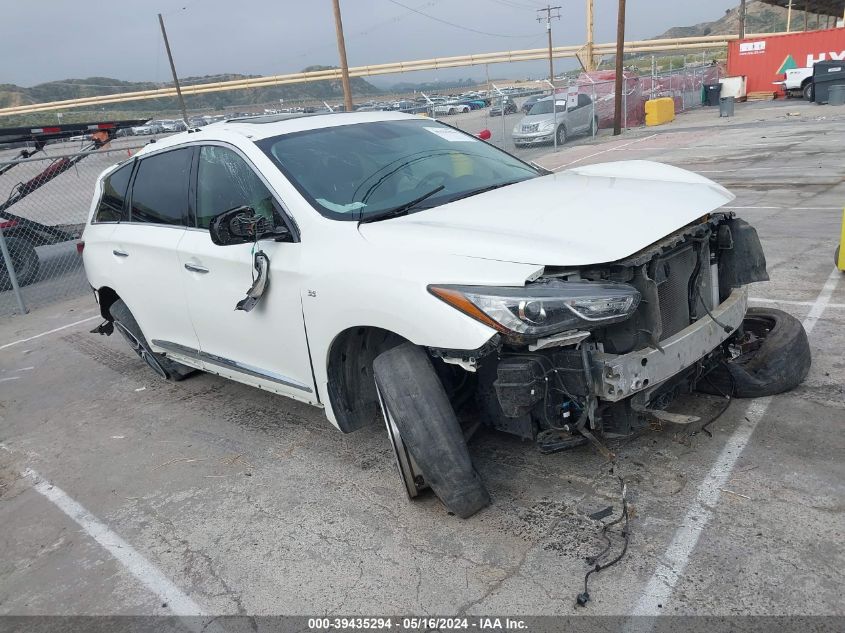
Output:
x=47 y=197
x=44 y=203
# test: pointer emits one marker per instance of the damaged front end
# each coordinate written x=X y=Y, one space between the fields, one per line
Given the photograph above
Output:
x=602 y=350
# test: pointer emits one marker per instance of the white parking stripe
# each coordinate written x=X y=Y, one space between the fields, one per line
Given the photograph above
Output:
x=788 y=302
x=612 y=149
x=671 y=567
x=177 y=602
x=58 y=329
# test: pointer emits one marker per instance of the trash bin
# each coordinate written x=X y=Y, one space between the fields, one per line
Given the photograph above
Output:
x=827 y=74
x=836 y=95
x=711 y=94
x=726 y=106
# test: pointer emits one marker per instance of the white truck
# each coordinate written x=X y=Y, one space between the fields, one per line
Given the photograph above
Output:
x=798 y=80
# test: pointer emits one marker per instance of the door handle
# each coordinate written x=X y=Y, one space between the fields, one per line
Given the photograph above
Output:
x=120 y=253
x=194 y=268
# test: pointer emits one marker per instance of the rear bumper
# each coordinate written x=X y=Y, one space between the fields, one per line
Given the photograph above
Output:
x=617 y=377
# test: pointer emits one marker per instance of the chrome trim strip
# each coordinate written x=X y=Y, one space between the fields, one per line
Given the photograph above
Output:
x=230 y=364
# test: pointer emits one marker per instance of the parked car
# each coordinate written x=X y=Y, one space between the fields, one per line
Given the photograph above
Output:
x=150 y=127
x=449 y=108
x=798 y=82
x=387 y=277
x=542 y=122
x=509 y=106
x=529 y=102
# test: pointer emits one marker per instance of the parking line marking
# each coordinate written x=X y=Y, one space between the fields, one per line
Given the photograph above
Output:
x=674 y=561
x=58 y=329
x=791 y=208
x=788 y=302
x=147 y=573
x=612 y=149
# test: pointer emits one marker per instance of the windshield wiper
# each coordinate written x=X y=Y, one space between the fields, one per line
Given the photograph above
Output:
x=475 y=192
x=402 y=209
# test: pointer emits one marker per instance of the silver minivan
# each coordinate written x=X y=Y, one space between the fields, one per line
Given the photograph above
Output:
x=538 y=127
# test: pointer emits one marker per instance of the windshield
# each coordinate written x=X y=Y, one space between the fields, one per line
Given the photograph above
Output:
x=352 y=172
x=545 y=107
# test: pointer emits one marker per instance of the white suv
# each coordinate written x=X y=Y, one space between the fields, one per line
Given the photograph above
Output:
x=385 y=265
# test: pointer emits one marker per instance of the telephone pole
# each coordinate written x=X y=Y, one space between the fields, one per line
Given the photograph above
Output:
x=173 y=70
x=344 y=65
x=620 y=68
x=742 y=13
x=548 y=18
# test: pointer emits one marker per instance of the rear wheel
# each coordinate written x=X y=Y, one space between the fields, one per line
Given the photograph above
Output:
x=24 y=261
x=427 y=439
x=128 y=327
x=808 y=91
x=836 y=258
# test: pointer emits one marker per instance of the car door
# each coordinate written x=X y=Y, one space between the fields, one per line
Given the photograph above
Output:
x=582 y=113
x=144 y=258
x=265 y=347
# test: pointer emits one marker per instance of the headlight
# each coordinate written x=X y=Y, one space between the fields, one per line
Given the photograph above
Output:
x=545 y=307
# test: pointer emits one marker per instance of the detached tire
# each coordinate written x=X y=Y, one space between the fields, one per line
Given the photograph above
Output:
x=24 y=261
x=419 y=408
x=780 y=364
x=128 y=327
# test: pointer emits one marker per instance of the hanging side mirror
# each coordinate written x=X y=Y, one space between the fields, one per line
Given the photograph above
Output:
x=242 y=226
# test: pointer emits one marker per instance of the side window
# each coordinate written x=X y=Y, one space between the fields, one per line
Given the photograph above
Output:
x=160 y=189
x=226 y=181
x=110 y=208
x=584 y=100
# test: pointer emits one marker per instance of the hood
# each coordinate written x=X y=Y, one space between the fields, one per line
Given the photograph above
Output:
x=583 y=216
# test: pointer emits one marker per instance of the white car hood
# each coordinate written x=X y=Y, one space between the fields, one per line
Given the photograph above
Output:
x=582 y=216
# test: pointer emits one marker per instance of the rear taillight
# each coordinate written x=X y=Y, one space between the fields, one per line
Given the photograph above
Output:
x=80 y=246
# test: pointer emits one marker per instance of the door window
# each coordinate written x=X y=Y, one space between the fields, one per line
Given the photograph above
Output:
x=110 y=208
x=226 y=181
x=160 y=189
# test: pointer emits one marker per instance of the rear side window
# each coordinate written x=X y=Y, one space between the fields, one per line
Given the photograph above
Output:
x=160 y=188
x=111 y=207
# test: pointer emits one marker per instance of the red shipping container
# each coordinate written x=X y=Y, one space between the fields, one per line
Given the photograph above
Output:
x=763 y=60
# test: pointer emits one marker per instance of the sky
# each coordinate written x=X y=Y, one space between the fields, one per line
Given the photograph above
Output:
x=47 y=40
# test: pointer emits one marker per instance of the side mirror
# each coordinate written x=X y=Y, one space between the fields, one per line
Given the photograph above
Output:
x=242 y=226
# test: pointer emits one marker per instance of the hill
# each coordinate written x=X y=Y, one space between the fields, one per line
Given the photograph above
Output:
x=12 y=95
x=760 y=18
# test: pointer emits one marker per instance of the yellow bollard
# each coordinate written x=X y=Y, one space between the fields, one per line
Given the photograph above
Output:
x=659 y=111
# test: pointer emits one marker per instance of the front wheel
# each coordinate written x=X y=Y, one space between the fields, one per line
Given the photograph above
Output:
x=779 y=363
x=561 y=135
x=427 y=438
x=808 y=91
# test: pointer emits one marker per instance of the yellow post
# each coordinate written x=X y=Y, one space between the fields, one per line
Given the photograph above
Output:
x=840 y=261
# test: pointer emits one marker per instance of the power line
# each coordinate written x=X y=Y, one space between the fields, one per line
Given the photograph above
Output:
x=515 y=5
x=457 y=26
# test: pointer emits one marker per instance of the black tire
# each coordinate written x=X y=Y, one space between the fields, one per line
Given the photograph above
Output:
x=416 y=402
x=836 y=257
x=24 y=261
x=780 y=364
x=807 y=91
x=561 y=135
x=128 y=327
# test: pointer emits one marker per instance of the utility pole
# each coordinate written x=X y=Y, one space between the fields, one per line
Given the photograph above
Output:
x=591 y=63
x=173 y=70
x=620 y=54
x=789 y=17
x=742 y=20
x=344 y=65
x=548 y=10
